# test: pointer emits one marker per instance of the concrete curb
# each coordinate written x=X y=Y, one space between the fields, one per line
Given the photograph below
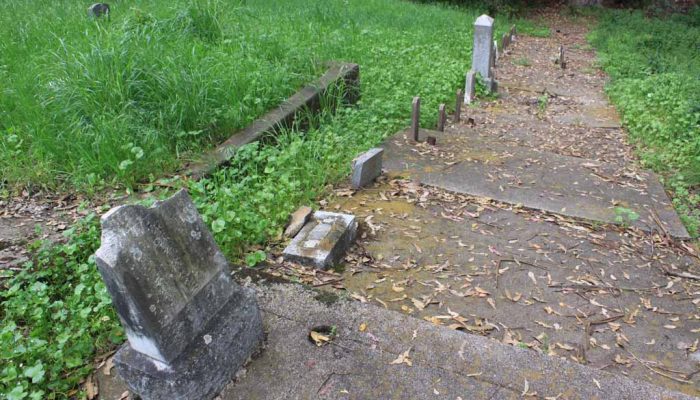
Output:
x=308 y=98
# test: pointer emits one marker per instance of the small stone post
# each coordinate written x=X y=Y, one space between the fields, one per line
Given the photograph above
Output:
x=458 y=105
x=483 y=50
x=470 y=87
x=415 y=118
x=562 y=61
x=442 y=117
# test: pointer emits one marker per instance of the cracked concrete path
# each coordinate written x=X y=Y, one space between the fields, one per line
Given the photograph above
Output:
x=505 y=228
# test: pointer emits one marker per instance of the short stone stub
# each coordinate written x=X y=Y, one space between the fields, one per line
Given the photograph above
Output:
x=367 y=167
x=169 y=283
x=323 y=241
x=470 y=87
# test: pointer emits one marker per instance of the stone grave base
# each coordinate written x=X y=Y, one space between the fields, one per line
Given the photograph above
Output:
x=207 y=365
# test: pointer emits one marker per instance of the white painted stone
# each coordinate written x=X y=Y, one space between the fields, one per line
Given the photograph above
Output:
x=470 y=87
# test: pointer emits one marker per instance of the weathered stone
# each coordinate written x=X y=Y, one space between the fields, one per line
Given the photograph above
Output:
x=562 y=60
x=309 y=98
x=483 y=49
x=297 y=220
x=323 y=241
x=415 y=117
x=98 y=9
x=367 y=167
x=442 y=118
x=458 y=105
x=189 y=326
x=470 y=88
x=496 y=54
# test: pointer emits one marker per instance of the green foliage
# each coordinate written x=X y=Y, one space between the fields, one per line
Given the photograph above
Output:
x=172 y=78
x=542 y=103
x=117 y=99
x=655 y=66
x=625 y=216
x=522 y=61
x=56 y=313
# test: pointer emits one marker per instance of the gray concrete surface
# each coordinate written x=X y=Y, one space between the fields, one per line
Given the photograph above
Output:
x=547 y=181
x=361 y=362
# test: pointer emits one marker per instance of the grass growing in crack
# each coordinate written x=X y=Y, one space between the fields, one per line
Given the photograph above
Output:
x=654 y=64
x=523 y=62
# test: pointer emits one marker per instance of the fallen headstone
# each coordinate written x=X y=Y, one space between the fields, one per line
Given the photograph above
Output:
x=98 y=9
x=323 y=241
x=189 y=326
x=483 y=50
x=367 y=167
x=297 y=221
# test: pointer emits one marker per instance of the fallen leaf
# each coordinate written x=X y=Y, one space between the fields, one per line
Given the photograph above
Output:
x=403 y=359
x=319 y=338
x=363 y=327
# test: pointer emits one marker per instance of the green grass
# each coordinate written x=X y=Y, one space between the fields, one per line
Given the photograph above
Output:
x=654 y=64
x=87 y=103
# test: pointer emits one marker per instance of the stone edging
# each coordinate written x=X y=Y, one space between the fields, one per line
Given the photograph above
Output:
x=308 y=98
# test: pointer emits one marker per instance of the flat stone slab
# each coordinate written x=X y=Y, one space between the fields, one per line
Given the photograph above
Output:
x=540 y=180
x=365 y=359
x=441 y=363
x=542 y=273
x=367 y=167
x=323 y=241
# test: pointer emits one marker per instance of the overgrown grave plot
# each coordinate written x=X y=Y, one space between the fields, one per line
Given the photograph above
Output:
x=601 y=295
x=245 y=204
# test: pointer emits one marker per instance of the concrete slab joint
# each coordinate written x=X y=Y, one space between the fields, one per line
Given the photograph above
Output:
x=323 y=241
x=367 y=167
x=189 y=326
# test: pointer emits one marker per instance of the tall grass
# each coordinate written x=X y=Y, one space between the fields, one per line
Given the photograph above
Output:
x=654 y=64
x=84 y=101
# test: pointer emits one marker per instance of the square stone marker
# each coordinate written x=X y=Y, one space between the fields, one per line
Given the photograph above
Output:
x=189 y=326
x=482 y=53
x=323 y=241
x=367 y=167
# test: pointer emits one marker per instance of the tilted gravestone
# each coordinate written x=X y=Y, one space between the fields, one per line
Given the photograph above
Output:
x=189 y=326
x=482 y=52
x=367 y=167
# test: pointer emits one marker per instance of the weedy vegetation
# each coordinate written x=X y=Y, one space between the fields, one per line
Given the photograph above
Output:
x=89 y=103
x=655 y=68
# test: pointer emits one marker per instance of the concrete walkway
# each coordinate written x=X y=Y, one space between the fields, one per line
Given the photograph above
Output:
x=380 y=354
x=519 y=227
